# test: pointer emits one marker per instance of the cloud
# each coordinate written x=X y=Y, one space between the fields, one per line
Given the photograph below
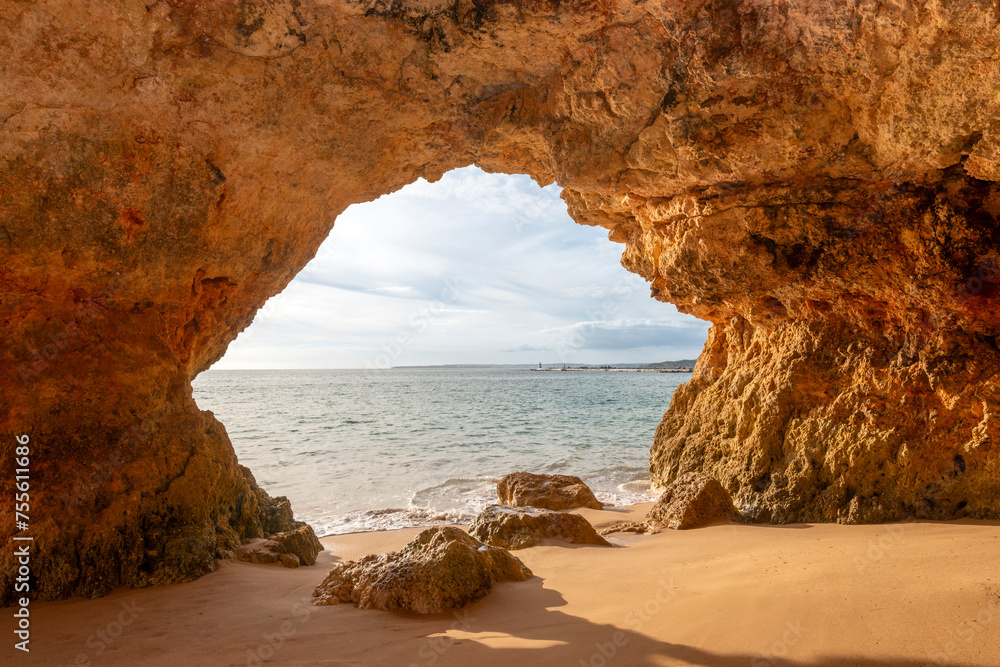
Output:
x=476 y=268
x=630 y=334
x=524 y=347
x=392 y=289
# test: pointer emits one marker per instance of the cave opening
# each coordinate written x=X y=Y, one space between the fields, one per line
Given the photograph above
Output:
x=391 y=382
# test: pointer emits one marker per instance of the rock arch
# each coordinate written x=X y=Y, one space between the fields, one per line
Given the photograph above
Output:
x=817 y=181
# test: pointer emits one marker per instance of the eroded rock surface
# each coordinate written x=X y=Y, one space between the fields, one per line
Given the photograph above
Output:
x=815 y=179
x=441 y=569
x=551 y=492
x=291 y=548
x=520 y=528
x=260 y=552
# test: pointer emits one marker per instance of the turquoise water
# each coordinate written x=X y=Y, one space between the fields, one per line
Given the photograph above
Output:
x=362 y=450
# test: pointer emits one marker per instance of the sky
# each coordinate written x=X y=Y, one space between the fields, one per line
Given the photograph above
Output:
x=476 y=268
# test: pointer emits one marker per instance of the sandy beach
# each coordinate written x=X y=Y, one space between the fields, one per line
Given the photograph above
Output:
x=892 y=594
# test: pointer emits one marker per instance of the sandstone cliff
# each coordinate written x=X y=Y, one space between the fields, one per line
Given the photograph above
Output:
x=816 y=179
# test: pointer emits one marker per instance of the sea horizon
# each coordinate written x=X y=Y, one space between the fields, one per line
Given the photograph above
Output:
x=463 y=365
x=426 y=446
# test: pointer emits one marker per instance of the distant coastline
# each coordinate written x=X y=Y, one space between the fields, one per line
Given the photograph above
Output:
x=616 y=368
x=680 y=366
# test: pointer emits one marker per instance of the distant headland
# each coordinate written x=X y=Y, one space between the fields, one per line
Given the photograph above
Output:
x=681 y=366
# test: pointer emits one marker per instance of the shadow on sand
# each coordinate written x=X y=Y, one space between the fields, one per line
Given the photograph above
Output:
x=538 y=633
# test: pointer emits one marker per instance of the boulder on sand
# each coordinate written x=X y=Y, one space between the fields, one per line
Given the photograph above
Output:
x=442 y=568
x=690 y=501
x=520 y=528
x=551 y=492
x=301 y=542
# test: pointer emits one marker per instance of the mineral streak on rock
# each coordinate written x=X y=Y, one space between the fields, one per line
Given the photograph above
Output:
x=815 y=179
x=551 y=492
x=522 y=527
x=441 y=569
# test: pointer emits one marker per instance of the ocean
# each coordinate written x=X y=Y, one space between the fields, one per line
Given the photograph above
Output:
x=362 y=450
